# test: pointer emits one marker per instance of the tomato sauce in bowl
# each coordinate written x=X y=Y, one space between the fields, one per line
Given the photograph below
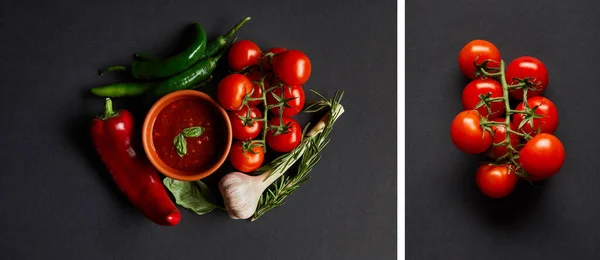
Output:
x=203 y=153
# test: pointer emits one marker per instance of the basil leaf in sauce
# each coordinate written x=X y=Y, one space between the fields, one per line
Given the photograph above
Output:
x=193 y=131
x=180 y=145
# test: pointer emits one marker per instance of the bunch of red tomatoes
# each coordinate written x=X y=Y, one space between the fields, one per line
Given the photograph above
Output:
x=263 y=83
x=519 y=140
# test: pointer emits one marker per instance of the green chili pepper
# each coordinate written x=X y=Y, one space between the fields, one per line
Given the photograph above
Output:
x=148 y=67
x=127 y=89
x=213 y=47
x=198 y=73
x=221 y=42
x=164 y=68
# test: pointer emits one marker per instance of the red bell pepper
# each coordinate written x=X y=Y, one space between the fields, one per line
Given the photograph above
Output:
x=112 y=135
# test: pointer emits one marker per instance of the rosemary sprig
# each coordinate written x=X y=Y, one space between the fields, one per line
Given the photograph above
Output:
x=310 y=147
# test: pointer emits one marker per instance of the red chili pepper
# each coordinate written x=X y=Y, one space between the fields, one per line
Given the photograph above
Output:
x=112 y=135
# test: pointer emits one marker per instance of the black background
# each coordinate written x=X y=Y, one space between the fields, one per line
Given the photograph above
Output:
x=57 y=200
x=447 y=216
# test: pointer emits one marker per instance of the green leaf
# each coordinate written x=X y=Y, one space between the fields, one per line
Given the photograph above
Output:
x=194 y=196
x=180 y=145
x=193 y=131
x=206 y=192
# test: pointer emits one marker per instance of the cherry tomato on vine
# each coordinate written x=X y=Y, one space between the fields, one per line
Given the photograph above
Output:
x=496 y=181
x=542 y=156
x=247 y=131
x=468 y=135
x=246 y=161
x=276 y=50
x=292 y=67
x=480 y=50
x=257 y=92
x=287 y=141
x=231 y=91
x=527 y=67
x=549 y=121
x=499 y=131
x=477 y=87
x=266 y=63
x=295 y=105
x=243 y=54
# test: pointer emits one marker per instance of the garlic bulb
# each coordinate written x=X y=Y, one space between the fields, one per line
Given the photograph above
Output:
x=241 y=193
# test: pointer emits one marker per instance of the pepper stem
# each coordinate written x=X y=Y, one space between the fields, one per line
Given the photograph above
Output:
x=236 y=27
x=108 y=109
x=113 y=68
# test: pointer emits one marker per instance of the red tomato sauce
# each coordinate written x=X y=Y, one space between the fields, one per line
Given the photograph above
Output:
x=202 y=151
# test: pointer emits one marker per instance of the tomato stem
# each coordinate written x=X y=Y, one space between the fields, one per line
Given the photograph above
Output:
x=512 y=153
x=506 y=104
x=496 y=74
x=266 y=110
x=519 y=112
x=272 y=88
x=517 y=133
x=516 y=86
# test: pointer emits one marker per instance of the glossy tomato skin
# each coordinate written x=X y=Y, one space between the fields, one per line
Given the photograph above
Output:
x=246 y=161
x=547 y=109
x=266 y=62
x=284 y=142
x=257 y=90
x=479 y=50
x=542 y=156
x=470 y=97
x=468 y=135
x=292 y=66
x=248 y=132
x=243 y=54
x=496 y=181
x=499 y=137
x=276 y=50
x=527 y=67
x=232 y=89
x=295 y=105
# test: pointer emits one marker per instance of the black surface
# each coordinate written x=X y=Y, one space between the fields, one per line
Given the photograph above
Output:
x=56 y=199
x=447 y=217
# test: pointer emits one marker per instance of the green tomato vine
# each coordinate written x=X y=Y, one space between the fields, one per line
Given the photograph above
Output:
x=512 y=154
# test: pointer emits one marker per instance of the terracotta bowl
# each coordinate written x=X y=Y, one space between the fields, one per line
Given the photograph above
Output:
x=148 y=141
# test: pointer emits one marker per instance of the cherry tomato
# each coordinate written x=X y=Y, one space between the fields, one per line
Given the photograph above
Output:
x=292 y=67
x=527 y=67
x=467 y=133
x=246 y=161
x=295 y=105
x=496 y=181
x=542 y=156
x=480 y=50
x=243 y=54
x=257 y=92
x=546 y=108
x=287 y=141
x=266 y=62
x=277 y=50
x=499 y=137
x=249 y=131
x=231 y=91
x=470 y=97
